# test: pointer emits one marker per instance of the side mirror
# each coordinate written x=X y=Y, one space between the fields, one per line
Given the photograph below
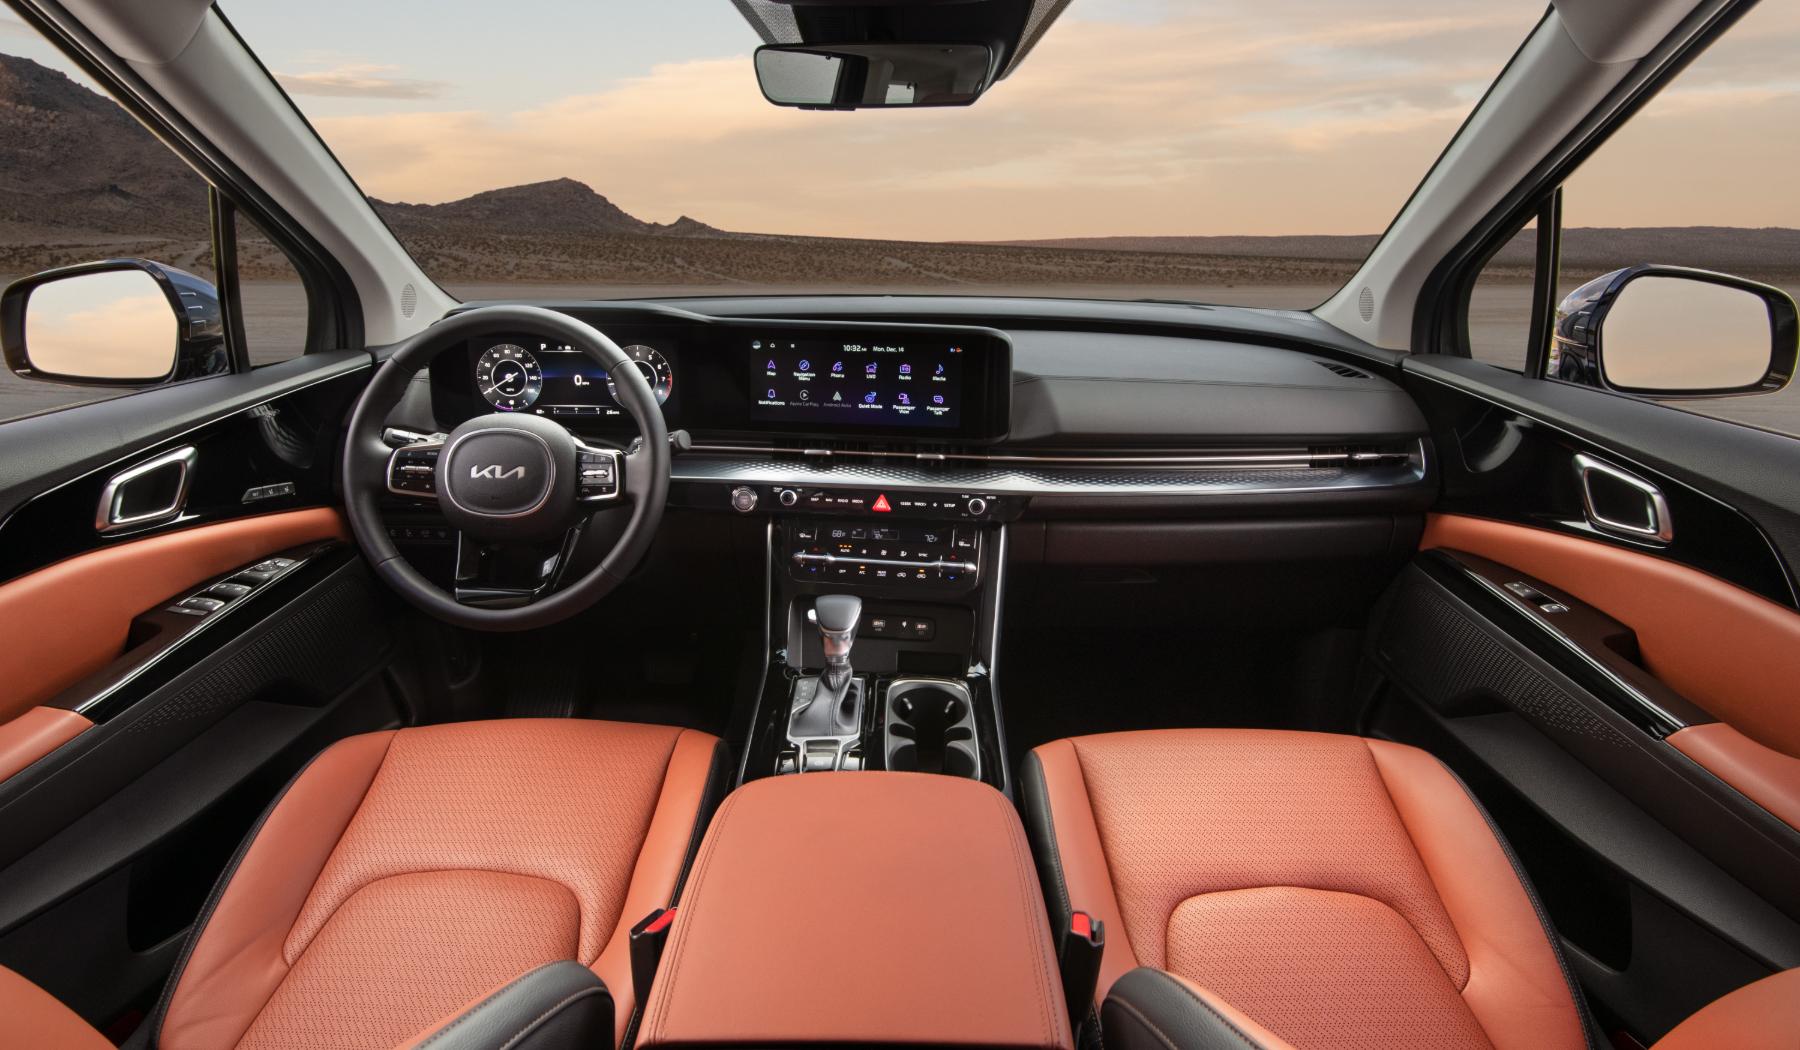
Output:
x=122 y=322
x=1666 y=331
x=863 y=76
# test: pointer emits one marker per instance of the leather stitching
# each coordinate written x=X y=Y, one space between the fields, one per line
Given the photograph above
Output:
x=718 y=770
x=161 y=1015
x=379 y=767
x=478 y=1007
x=1138 y=1016
x=1039 y=792
x=1026 y=874
x=1254 y=1044
x=1394 y=807
x=1581 y=1006
x=528 y=1029
x=1112 y=881
x=685 y=926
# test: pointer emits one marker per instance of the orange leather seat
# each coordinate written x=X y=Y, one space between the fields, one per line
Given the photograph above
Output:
x=1327 y=891
x=405 y=875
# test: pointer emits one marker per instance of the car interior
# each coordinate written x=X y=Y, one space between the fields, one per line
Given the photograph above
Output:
x=845 y=668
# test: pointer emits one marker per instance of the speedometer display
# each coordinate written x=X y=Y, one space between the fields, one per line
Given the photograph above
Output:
x=509 y=377
x=653 y=366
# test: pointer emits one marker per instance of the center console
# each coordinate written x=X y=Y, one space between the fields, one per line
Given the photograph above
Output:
x=860 y=909
x=883 y=620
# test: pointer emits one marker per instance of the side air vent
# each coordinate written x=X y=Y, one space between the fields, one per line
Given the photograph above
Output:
x=1344 y=370
x=1365 y=304
x=409 y=300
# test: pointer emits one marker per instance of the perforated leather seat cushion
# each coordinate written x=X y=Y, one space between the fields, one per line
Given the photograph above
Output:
x=406 y=873
x=1341 y=892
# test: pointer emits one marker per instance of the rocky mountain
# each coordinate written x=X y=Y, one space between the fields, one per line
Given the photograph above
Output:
x=559 y=207
x=75 y=167
x=72 y=162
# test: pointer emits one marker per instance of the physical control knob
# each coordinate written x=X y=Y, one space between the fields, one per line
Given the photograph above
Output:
x=743 y=499
x=788 y=497
x=977 y=507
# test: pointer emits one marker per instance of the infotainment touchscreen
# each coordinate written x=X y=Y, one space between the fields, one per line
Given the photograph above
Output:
x=831 y=382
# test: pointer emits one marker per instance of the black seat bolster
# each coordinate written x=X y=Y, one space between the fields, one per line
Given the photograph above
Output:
x=558 y=1005
x=1148 y=1009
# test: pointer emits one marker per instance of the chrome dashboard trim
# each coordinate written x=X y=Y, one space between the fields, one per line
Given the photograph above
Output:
x=1078 y=476
x=1298 y=457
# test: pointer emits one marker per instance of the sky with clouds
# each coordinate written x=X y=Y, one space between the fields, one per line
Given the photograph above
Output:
x=1131 y=117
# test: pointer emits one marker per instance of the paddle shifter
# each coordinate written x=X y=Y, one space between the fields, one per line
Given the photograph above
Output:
x=825 y=723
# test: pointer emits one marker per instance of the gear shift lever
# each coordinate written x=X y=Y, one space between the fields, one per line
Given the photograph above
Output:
x=830 y=706
x=837 y=615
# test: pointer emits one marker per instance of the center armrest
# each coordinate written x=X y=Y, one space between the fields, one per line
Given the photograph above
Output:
x=891 y=908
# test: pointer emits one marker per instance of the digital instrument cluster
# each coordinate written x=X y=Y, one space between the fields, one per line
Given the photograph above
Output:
x=552 y=379
x=741 y=379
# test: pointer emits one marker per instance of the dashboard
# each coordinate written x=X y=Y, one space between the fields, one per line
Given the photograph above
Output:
x=975 y=409
x=792 y=379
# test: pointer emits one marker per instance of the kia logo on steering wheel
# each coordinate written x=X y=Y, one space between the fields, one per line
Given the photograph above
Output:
x=496 y=472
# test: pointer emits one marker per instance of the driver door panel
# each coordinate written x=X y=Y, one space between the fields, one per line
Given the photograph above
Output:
x=139 y=740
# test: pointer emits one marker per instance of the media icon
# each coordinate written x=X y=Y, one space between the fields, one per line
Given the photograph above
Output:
x=940 y=370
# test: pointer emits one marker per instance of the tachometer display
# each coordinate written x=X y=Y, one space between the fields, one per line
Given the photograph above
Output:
x=655 y=369
x=509 y=377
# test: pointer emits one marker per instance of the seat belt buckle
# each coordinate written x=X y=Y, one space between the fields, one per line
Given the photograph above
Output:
x=647 y=940
x=1078 y=957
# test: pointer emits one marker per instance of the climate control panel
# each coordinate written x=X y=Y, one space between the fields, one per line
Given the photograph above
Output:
x=907 y=557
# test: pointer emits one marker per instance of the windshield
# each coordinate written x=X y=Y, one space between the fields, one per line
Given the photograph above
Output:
x=1241 y=151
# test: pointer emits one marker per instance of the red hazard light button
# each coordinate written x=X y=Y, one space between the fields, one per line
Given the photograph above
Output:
x=881 y=505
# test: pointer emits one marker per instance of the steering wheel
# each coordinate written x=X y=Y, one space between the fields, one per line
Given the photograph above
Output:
x=506 y=479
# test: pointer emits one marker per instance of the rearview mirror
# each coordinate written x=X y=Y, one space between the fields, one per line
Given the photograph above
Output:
x=122 y=322
x=858 y=76
x=1665 y=331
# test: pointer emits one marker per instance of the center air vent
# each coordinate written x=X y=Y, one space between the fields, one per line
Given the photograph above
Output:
x=1344 y=370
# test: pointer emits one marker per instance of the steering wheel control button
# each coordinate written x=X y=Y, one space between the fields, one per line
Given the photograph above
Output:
x=412 y=470
x=743 y=499
x=599 y=471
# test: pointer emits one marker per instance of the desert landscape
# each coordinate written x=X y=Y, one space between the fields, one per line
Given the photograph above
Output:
x=80 y=180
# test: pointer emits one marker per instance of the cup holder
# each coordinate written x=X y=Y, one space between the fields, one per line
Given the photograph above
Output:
x=931 y=728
